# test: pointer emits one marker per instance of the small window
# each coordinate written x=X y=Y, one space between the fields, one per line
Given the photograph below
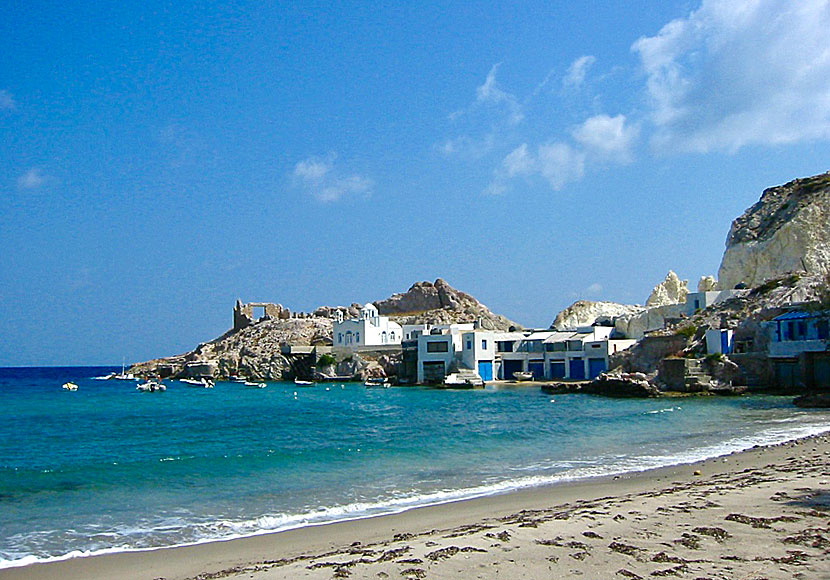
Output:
x=392 y=335
x=438 y=346
x=357 y=337
x=469 y=344
x=483 y=344
x=339 y=338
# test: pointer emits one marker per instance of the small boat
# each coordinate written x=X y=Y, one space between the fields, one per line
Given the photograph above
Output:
x=236 y=379
x=457 y=381
x=105 y=377
x=303 y=383
x=124 y=375
x=254 y=384
x=151 y=387
x=204 y=383
x=70 y=387
x=380 y=382
x=523 y=376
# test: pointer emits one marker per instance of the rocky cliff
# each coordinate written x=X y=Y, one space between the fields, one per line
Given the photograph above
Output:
x=439 y=303
x=586 y=313
x=255 y=350
x=788 y=230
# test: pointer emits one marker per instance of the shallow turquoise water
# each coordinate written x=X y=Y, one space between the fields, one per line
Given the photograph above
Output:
x=108 y=468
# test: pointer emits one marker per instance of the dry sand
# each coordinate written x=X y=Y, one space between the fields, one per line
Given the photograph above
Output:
x=760 y=514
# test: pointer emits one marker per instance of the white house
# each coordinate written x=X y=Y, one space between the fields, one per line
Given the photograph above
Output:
x=367 y=331
x=440 y=350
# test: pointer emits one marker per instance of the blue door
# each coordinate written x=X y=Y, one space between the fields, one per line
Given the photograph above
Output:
x=485 y=370
x=537 y=368
x=724 y=342
x=557 y=370
x=595 y=367
x=577 y=368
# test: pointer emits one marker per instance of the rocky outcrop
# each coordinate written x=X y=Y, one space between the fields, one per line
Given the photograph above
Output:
x=707 y=284
x=788 y=230
x=586 y=313
x=439 y=303
x=672 y=290
x=254 y=348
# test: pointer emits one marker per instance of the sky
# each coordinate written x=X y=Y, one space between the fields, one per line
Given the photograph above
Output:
x=159 y=160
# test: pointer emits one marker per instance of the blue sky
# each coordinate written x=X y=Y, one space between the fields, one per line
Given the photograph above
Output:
x=160 y=161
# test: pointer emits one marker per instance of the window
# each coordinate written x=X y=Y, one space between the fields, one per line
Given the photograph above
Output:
x=469 y=344
x=504 y=346
x=575 y=345
x=339 y=338
x=483 y=344
x=392 y=335
x=556 y=347
x=357 y=337
x=438 y=346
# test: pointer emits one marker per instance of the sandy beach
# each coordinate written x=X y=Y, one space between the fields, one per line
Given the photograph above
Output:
x=759 y=514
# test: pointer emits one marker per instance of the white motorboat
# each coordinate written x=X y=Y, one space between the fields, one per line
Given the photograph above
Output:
x=124 y=375
x=523 y=376
x=255 y=384
x=382 y=383
x=204 y=383
x=303 y=383
x=69 y=387
x=151 y=387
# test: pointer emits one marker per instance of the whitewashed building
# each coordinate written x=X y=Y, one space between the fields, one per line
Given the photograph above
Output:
x=367 y=331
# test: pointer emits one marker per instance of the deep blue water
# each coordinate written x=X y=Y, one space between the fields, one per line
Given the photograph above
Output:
x=109 y=468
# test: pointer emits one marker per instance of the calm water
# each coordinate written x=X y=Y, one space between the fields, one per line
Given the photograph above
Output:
x=108 y=468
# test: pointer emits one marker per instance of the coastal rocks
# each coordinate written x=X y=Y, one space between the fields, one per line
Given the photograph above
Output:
x=586 y=313
x=788 y=230
x=813 y=401
x=619 y=384
x=610 y=384
x=672 y=290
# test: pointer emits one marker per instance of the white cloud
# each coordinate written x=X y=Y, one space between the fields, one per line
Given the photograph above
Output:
x=575 y=76
x=7 y=102
x=594 y=289
x=32 y=179
x=740 y=72
x=491 y=93
x=607 y=138
x=558 y=163
x=319 y=177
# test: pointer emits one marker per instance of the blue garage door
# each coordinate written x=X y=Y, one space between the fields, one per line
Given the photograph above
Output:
x=509 y=367
x=485 y=370
x=537 y=367
x=577 y=368
x=557 y=370
x=595 y=367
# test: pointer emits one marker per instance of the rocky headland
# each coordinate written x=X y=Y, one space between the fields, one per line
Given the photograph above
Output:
x=262 y=349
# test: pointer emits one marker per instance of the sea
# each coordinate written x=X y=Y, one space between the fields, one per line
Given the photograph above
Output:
x=107 y=468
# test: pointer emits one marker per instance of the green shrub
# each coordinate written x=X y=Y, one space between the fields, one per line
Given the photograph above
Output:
x=326 y=360
x=688 y=331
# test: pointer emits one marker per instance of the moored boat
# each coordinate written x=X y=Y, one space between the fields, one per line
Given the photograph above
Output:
x=151 y=387
x=523 y=376
x=303 y=383
x=380 y=382
x=258 y=385
x=69 y=387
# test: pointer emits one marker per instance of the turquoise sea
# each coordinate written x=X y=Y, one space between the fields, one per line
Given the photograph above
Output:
x=108 y=468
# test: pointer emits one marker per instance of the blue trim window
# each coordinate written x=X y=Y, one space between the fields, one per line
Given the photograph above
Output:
x=483 y=344
x=469 y=344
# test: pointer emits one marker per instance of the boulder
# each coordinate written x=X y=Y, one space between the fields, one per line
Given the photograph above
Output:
x=813 y=401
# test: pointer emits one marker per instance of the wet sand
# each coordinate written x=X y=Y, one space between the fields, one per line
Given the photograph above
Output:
x=759 y=514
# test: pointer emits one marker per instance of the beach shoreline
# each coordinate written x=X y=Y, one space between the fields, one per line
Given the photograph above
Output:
x=762 y=511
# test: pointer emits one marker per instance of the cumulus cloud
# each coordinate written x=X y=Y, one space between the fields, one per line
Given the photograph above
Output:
x=319 y=177
x=575 y=76
x=740 y=72
x=7 y=102
x=607 y=138
x=32 y=179
x=557 y=163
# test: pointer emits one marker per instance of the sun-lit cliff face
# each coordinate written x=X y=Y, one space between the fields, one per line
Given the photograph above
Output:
x=788 y=230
